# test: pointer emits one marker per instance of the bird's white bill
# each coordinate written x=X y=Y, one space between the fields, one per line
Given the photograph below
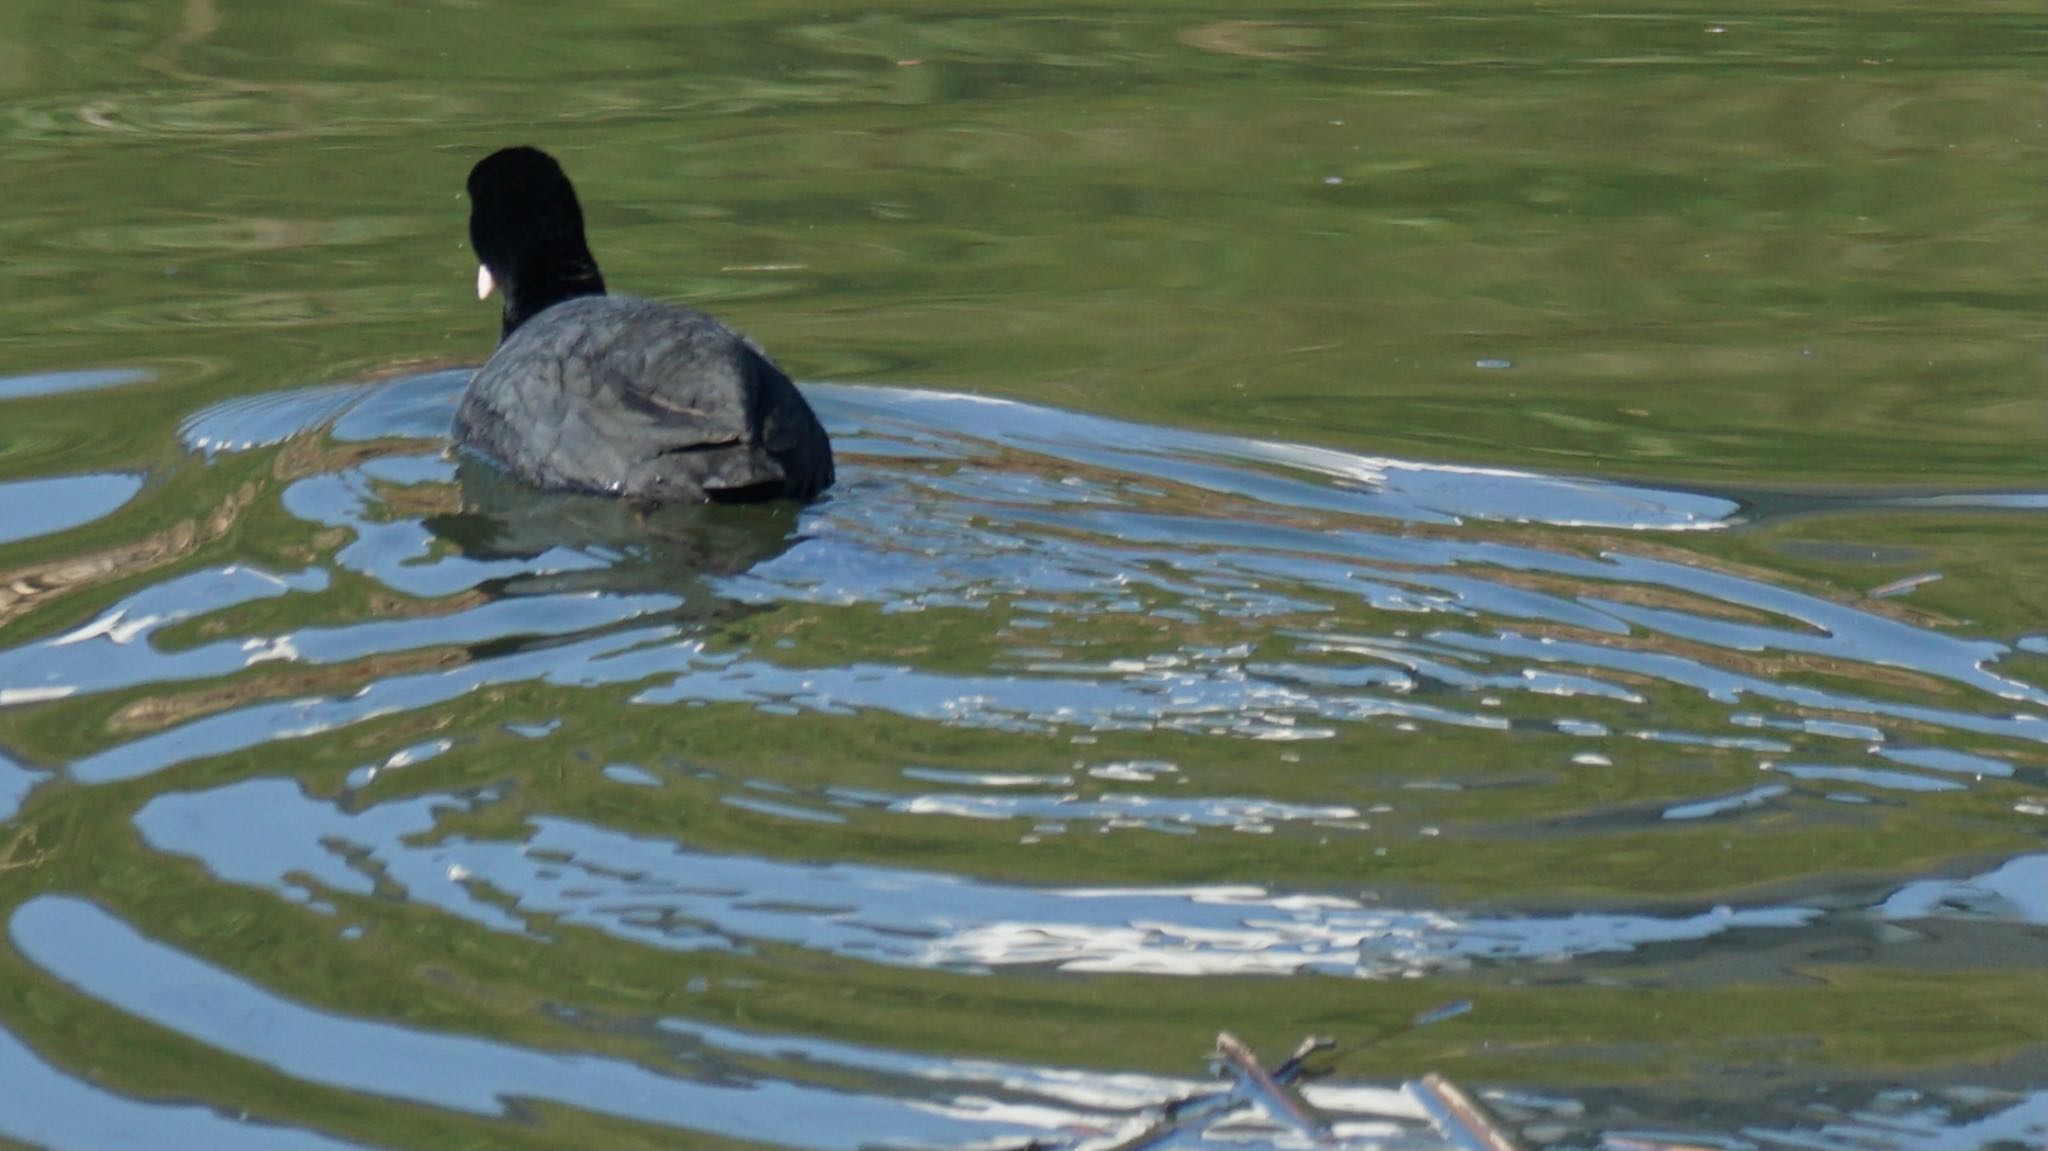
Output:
x=484 y=283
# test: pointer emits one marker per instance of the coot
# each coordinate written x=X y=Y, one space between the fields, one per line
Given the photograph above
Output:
x=612 y=394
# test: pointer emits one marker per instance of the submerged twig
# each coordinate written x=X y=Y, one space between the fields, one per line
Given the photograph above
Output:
x=1457 y=1116
x=1264 y=1089
x=12 y=856
x=1296 y=1065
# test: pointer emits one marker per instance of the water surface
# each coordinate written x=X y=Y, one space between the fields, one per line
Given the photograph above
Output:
x=1508 y=540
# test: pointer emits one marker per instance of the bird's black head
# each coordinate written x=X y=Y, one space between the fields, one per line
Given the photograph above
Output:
x=527 y=230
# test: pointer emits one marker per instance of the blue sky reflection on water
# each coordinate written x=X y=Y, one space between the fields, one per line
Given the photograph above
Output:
x=996 y=532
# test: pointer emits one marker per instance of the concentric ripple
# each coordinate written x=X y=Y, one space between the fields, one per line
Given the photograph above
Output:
x=1032 y=696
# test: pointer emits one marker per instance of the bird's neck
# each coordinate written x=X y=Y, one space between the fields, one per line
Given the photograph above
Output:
x=540 y=284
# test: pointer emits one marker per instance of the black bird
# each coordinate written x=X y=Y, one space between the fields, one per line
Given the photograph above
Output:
x=611 y=394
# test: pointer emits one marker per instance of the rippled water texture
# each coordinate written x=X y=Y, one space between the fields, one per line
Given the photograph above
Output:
x=1596 y=654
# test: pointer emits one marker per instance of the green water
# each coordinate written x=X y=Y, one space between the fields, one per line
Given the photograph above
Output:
x=1805 y=248
x=1789 y=256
